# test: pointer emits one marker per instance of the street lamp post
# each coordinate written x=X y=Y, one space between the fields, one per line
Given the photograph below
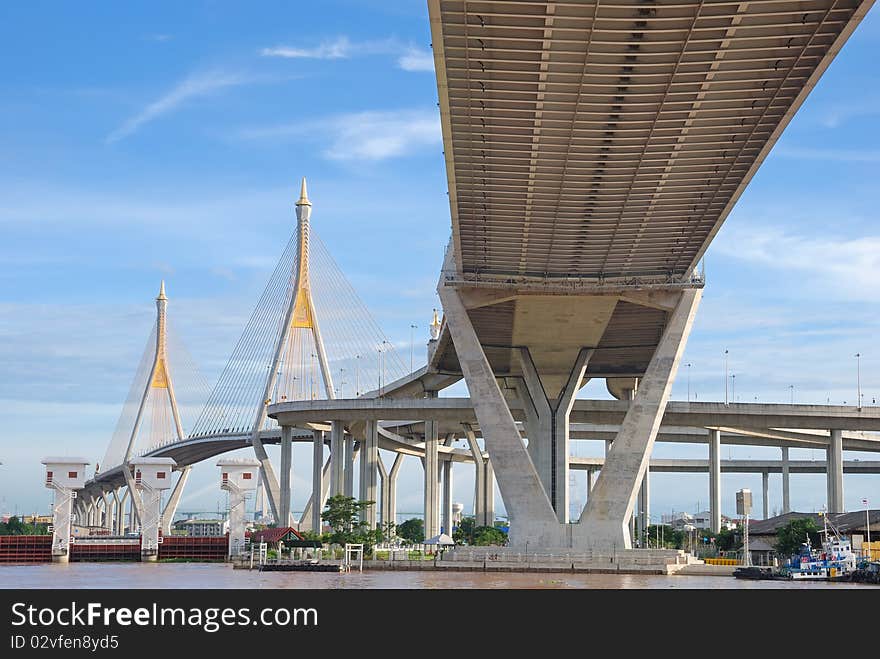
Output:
x=733 y=387
x=726 y=400
x=791 y=390
x=859 y=380
x=689 y=382
x=357 y=376
x=868 y=526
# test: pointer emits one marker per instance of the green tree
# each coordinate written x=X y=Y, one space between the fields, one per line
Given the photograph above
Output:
x=728 y=540
x=16 y=527
x=464 y=534
x=412 y=530
x=790 y=537
x=489 y=535
x=342 y=513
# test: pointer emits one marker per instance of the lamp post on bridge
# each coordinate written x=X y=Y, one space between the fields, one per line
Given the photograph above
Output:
x=689 y=381
x=733 y=387
x=726 y=400
x=859 y=380
x=791 y=389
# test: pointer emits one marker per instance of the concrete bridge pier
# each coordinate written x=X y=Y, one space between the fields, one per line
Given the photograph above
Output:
x=644 y=517
x=786 y=495
x=174 y=500
x=714 y=480
x=389 y=490
x=348 y=453
x=284 y=518
x=447 y=497
x=431 y=465
x=834 y=475
x=337 y=464
x=369 y=472
x=765 y=493
x=312 y=513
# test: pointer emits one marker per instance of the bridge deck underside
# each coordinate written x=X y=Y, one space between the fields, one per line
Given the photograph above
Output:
x=609 y=140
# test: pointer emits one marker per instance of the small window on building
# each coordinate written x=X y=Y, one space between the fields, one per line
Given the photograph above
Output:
x=225 y=476
x=48 y=475
x=160 y=475
x=71 y=474
x=246 y=476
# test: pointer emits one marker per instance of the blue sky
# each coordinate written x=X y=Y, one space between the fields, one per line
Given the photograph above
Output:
x=157 y=140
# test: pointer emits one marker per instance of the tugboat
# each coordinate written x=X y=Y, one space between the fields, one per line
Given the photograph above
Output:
x=835 y=561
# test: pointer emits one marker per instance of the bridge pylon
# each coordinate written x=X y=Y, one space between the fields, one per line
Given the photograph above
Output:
x=299 y=315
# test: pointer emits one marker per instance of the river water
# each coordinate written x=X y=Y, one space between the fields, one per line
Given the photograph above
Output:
x=214 y=575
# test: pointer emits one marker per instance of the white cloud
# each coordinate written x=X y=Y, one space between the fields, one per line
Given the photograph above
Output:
x=849 y=267
x=381 y=135
x=409 y=58
x=339 y=48
x=188 y=89
x=416 y=60
x=363 y=135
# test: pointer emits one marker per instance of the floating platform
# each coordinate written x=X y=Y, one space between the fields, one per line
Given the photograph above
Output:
x=301 y=567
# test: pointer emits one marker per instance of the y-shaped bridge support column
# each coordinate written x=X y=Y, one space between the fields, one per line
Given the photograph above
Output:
x=389 y=490
x=604 y=520
x=547 y=426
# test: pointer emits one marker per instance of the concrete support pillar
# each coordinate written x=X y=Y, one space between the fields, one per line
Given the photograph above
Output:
x=447 y=497
x=174 y=500
x=432 y=471
x=834 y=475
x=284 y=478
x=121 y=513
x=348 y=487
x=337 y=461
x=786 y=492
x=604 y=520
x=317 y=482
x=369 y=472
x=644 y=519
x=489 y=495
x=532 y=517
x=389 y=491
x=714 y=480
x=590 y=476
x=765 y=493
x=479 y=477
x=548 y=427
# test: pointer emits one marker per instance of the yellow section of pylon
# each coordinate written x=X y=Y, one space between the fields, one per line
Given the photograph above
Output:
x=160 y=378
x=302 y=311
